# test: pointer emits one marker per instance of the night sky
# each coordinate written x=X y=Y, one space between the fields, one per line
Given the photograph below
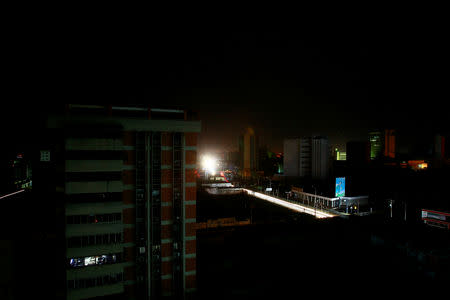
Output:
x=288 y=83
x=282 y=82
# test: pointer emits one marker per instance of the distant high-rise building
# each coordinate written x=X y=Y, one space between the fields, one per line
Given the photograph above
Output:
x=439 y=146
x=307 y=157
x=382 y=143
x=376 y=144
x=129 y=193
x=248 y=145
x=262 y=156
x=389 y=143
x=320 y=158
x=291 y=160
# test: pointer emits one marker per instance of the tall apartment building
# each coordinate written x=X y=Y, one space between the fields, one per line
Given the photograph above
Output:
x=248 y=146
x=307 y=157
x=129 y=191
x=320 y=158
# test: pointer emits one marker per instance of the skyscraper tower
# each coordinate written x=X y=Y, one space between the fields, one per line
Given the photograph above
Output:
x=129 y=193
x=320 y=157
x=382 y=143
x=376 y=144
x=248 y=145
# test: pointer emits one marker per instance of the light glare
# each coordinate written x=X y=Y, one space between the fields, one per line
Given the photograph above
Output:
x=297 y=207
x=209 y=164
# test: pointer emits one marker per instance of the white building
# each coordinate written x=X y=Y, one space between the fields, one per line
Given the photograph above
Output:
x=307 y=157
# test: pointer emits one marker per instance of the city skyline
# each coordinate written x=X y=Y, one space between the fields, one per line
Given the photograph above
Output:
x=206 y=163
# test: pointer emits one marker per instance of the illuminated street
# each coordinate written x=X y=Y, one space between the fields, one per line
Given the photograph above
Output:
x=318 y=213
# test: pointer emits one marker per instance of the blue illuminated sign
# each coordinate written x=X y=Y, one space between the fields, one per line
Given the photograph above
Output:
x=340 y=187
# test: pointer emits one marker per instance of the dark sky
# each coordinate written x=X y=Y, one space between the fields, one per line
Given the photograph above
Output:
x=286 y=83
x=282 y=82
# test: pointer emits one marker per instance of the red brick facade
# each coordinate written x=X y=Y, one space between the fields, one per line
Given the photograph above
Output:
x=190 y=139
x=191 y=246
x=190 y=211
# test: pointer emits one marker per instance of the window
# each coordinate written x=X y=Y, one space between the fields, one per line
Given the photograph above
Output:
x=95 y=281
x=112 y=238
x=118 y=217
x=79 y=284
x=103 y=259
x=91 y=240
x=100 y=218
x=99 y=239
x=91 y=219
x=45 y=155
x=83 y=219
x=106 y=239
x=93 y=176
x=90 y=260
x=94 y=155
x=74 y=242
x=99 y=281
x=76 y=262
x=94 y=197
x=94 y=219
x=90 y=282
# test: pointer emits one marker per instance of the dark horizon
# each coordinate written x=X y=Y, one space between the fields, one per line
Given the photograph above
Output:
x=281 y=82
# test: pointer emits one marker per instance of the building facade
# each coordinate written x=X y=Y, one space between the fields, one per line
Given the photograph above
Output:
x=382 y=143
x=248 y=146
x=307 y=157
x=129 y=196
x=291 y=149
x=320 y=158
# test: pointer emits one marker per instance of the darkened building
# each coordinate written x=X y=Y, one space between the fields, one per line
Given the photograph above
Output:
x=382 y=143
x=248 y=146
x=358 y=153
x=124 y=177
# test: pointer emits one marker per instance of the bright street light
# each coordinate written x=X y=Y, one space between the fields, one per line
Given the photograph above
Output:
x=209 y=164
